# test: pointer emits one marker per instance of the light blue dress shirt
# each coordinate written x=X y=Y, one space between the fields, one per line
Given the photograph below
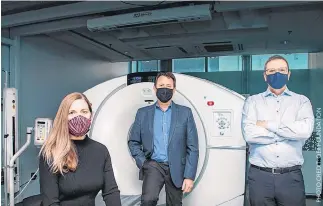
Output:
x=290 y=123
x=162 y=121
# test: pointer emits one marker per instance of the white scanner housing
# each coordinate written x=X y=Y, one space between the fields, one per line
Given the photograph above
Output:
x=217 y=112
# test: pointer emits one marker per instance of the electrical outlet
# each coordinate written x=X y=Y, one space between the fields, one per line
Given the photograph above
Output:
x=32 y=174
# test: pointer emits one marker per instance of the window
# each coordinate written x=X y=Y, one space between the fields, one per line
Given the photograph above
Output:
x=148 y=66
x=295 y=61
x=224 y=63
x=188 y=65
x=132 y=67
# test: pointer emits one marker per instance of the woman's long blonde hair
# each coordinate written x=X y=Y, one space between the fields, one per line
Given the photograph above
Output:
x=58 y=150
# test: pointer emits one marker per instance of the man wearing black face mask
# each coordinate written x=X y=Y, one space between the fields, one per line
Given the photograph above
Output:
x=276 y=124
x=164 y=142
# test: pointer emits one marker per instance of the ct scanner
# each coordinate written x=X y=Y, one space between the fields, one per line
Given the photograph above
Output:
x=220 y=178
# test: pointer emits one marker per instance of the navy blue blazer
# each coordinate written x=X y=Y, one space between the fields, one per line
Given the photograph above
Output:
x=183 y=149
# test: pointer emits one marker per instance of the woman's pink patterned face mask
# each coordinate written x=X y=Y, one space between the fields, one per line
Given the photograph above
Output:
x=79 y=126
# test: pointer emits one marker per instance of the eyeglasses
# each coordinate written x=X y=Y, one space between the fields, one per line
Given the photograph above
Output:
x=283 y=70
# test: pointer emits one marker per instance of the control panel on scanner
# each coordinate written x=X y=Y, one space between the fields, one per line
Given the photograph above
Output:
x=139 y=77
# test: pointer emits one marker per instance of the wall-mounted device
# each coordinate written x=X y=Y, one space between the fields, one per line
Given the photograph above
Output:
x=42 y=130
x=10 y=131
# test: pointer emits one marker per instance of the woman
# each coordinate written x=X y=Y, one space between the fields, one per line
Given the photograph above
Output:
x=73 y=168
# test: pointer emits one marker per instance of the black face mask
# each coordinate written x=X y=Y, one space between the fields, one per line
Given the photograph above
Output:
x=164 y=94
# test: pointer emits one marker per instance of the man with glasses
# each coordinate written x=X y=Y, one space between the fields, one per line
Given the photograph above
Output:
x=276 y=124
x=164 y=143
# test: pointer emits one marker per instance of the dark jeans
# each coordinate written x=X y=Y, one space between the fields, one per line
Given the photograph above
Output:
x=268 y=189
x=155 y=176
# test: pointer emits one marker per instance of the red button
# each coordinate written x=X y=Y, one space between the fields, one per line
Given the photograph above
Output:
x=210 y=103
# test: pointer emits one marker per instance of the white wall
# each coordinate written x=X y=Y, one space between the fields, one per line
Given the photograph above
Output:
x=49 y=70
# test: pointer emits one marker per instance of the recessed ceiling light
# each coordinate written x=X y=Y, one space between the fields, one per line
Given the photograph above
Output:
x=284 y=42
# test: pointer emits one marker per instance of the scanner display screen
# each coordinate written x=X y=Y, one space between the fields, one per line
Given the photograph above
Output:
x=140 y=77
